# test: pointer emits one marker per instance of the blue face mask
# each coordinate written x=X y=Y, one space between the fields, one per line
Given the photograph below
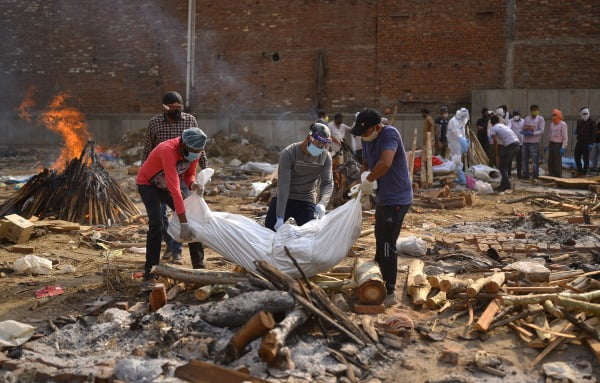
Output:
x=191 y=156
x=313 y=150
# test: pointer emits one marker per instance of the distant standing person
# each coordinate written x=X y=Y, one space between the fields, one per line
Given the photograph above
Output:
x=322 y=117
x=338 y=131
x=516 y=123
x=441 y=131
x=510 y=146
x=532 y=133
x=165 y=126
x=595 y=153
x=384 y=156
x=304 y=180
x=585 y=132
x=482 y=132
x=558 y=139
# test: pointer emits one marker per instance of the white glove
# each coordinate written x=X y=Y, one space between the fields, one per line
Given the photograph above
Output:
x=187 y=233
x=320 y=210
x=367 y=187
x=279 y=223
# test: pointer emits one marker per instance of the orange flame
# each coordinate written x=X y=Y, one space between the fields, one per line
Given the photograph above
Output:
x=27 y=103
x=69 y=122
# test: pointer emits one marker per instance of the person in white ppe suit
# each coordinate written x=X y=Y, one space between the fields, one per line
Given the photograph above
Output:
x=457 y=142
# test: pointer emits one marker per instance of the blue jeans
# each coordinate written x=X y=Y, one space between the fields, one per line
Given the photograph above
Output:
x=302 y=212
x=172 y=245
x=531 y=151
x=153 y=197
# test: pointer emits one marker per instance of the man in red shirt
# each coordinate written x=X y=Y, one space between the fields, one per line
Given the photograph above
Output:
x=171 y=165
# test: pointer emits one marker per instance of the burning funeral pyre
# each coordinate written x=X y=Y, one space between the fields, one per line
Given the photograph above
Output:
x=83 y=193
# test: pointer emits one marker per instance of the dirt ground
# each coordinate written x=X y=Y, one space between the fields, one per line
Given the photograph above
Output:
x=417 y=363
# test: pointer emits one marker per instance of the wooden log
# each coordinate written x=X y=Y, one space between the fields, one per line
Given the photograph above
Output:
x=418 y=286
x=429 y=170
x=583 y=326
x=236 y=311
x=371 y=287
x=196 y=371
x=551 y=309
x=320 y=296
x=273 y=341
x=451 y=285
x=540 y=298
x=540 y=322
x=205 y=292
x=590 y=308
x=369 y=327
x=436 y=301
x=416 y=278
x=485 y=320
x=476 y=286
x=495 y=282
x=532 y=289
x=260 y=324
x=411 y=158
x=559 y=275
x=200 y=277
x=175 y=291
x=434 y=280
x=594 y=347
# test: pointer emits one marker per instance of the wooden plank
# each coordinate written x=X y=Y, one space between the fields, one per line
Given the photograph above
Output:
x=572 y=183
x=485 y=320
x=197 y=371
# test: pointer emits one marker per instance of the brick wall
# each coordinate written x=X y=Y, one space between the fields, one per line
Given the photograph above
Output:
x=261 y=56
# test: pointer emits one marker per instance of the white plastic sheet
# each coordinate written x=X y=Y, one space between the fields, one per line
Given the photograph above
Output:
x=13 y=333
x=317 y=245
x=32 y=264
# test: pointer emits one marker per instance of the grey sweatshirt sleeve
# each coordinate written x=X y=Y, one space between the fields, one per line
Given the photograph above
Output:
x=326 y=181
x=284 y=175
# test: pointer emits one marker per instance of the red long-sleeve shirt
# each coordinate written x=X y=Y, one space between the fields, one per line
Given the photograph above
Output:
x=165 y=168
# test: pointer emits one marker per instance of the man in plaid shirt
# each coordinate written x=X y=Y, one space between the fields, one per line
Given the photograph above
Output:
x=162 y=127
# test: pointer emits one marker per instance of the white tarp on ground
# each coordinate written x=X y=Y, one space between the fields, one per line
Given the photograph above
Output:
x=317 y=245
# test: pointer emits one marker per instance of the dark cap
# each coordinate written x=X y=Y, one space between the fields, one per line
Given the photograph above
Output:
x=364 y=120
x=172 y=97
x=516 y=111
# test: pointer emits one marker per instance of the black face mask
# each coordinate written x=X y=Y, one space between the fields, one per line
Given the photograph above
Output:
x=175 y=114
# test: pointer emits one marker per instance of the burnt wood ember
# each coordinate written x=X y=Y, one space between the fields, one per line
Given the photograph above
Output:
x=83 y=193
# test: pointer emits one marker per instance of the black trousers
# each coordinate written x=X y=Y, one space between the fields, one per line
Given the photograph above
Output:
x=582 y=150
x=388 y=222
x=507 y=155
x=152 y=197
x=554 y=159
x=302 y=212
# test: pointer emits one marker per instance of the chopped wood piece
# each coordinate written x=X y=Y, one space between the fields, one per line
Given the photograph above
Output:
x=491 y=283
x=418 y=286
x=260 y=324
x=436 y=301
x=452 y=285
x=275 y=339
x=485 y=320
x=371 y=288
x=369 y=327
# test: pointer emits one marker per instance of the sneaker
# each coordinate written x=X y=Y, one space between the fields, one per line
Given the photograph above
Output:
x=167 y=255
x=390 y=300
x=148 y=283
x=177 y=259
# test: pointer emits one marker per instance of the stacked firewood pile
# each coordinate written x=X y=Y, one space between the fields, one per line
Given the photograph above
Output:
x=544 y=307
x=83 y=193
